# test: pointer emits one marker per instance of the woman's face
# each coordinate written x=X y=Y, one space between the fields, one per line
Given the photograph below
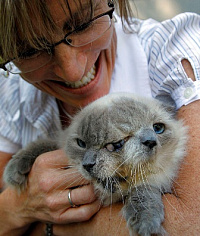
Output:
x=74 y=66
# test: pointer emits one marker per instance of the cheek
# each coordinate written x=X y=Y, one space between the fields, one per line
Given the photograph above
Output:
x=36 y=76
x=74 y=154
x=166 y=138
x=106 y=165
x=103 y=42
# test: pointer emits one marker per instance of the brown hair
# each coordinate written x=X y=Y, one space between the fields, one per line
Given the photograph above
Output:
x=17 y=27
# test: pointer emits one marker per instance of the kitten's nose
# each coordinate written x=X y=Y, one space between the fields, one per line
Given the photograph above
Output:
x=88 y=167
x=150 y=143
x=89 y=160
x=148 y=138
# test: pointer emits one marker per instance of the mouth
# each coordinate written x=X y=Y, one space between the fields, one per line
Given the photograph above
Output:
x=88 y=84
x=84 y=81
x=112 y=183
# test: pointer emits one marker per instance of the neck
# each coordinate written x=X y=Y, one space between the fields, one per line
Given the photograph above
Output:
x=66 y=113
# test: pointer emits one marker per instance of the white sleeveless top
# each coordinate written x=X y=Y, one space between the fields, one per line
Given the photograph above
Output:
x=131 y=69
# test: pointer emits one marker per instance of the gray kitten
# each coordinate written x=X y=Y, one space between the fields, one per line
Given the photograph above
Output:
x=129 y=147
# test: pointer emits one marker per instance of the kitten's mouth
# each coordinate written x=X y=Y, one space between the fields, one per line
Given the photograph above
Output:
x=112 y=183
x=85 y=80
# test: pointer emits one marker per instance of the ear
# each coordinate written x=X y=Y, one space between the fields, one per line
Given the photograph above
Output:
x=168 y=103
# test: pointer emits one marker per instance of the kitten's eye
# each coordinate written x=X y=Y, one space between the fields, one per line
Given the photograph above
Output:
x=111 y=147
x=81 y=143
x=159 y=128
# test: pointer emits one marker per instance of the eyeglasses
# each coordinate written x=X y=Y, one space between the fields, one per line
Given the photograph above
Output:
x=86 y=33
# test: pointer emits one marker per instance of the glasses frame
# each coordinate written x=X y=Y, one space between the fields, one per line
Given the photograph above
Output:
x=51 y=47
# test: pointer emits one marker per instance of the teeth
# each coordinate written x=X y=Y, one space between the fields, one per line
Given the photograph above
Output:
x=85 y=80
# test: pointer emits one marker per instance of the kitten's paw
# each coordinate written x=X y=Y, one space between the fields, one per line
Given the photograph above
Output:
x=17 y=169
x=144 y=212
x=146 y=226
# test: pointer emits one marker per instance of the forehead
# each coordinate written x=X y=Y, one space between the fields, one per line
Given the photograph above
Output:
x=59 y=8
x=50 y=18
x=111 y=119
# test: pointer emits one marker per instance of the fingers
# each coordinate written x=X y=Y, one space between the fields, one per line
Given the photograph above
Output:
x=60 y=179
x=79 y=196
x=54 y=159
x=83 y=195
x=81 y=213
x=59 y=209
x=51 y=172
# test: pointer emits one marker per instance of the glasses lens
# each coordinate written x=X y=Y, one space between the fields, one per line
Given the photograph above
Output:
x=29 y=64
x=89 y=32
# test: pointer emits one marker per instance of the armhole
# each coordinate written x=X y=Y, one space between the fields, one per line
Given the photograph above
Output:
x=7 y=146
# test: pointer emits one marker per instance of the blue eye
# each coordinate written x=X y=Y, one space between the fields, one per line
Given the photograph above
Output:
x=159 y=128
x=81 y=143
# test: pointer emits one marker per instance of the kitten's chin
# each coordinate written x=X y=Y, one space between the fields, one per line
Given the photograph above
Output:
x=106 y=196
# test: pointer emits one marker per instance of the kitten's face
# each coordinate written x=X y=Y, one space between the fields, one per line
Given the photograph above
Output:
x=115 y=138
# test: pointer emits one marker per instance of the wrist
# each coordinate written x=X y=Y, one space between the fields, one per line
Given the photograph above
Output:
x=12 y=213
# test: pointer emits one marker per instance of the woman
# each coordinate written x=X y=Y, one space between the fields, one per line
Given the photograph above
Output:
x=58 y=56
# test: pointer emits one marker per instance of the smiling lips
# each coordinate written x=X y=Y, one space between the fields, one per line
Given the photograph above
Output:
x=85 y=80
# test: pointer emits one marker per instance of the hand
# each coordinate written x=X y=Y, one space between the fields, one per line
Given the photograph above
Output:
x=46 y=195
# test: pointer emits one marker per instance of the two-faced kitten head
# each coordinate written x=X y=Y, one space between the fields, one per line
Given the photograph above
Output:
x=120 y=141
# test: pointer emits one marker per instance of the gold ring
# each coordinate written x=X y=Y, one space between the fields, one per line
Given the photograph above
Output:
x=70 y=199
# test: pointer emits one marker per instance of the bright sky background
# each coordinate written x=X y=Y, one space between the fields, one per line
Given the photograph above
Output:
x=163 y=9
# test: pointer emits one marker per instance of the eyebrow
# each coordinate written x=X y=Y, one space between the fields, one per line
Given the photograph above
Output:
x=67 y=24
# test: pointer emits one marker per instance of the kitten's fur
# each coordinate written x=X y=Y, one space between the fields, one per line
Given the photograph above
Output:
x=129 y=147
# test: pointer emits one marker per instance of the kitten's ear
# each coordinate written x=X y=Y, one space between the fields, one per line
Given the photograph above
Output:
x=168 y=103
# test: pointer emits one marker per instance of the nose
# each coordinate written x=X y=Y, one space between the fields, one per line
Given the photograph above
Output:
x=88 y=166
x=89 y=161
x=148 y=138
x=150 y=143
x=69 y=62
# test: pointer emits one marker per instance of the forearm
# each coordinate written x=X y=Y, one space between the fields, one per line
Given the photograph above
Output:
x=182 y=215
x=108 y=221
x=11 y=222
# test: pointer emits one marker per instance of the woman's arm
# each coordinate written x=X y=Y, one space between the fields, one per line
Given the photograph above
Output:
x=182 y=215
x=182 y=212
x=10 y=221
x=4 y=158
x=108 y=221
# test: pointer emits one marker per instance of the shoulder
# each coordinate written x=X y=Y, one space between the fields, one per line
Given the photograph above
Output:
x=166 y=45
x=183 y=20
x=14 y=92
x=180 y=27
x=9 y=92
x=25 y=110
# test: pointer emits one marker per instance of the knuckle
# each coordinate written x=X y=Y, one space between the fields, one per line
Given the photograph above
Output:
x=41 y=161
x=85 y=214
x=91 y=198
x=51 y=202
x=44 y=184
x=58 y=218
x=88 y=195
